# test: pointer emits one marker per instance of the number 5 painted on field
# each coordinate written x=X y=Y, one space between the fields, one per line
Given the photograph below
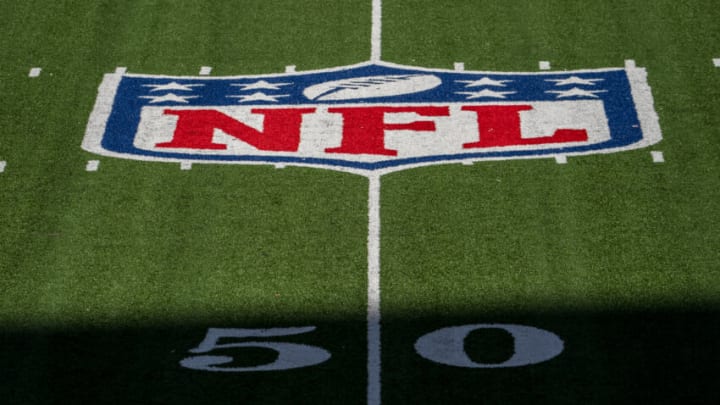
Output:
x=289 y=355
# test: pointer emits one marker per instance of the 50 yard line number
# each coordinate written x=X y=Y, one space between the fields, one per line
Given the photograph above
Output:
x=443 y=346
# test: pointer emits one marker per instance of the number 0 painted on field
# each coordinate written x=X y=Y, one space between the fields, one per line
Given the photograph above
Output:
x=447 y=346
x=289 y=355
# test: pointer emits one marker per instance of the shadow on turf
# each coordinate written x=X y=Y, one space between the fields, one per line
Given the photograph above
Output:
x=658 y=356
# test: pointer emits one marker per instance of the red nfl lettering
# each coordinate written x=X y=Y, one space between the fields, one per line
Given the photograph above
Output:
x=195 y=129
x=364 y=127
x=499 y=125
x=363 y=130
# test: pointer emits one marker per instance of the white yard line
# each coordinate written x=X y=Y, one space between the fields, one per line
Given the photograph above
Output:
x=373 y=314
x=376 y=32
x=374 y=361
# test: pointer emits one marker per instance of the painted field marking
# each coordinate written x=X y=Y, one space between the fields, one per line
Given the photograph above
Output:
x=467 y=162
x=657 y=157
x=716 y=62
x=35 y=72
x=630 y=64
x=561 y=159
x=120 y=70
x=459 y=66
x=2 y=166
x=374 y=369
x=374 y=364
x=92 y=165
x=376 y=31
x=290 y=69
x=185 y=165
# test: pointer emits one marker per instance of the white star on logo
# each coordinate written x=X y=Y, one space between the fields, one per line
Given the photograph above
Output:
x=485 y=93
x=574 y=80
x=259 y=96
x=261 y=85
x=485 y=81
x=172 y=86
x=576 y=92
x=168 y=97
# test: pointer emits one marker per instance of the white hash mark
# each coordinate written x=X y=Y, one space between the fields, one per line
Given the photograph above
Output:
x=657 y=157
x=92 y=165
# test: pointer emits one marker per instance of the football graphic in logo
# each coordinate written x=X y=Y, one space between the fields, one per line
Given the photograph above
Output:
x=371 y=87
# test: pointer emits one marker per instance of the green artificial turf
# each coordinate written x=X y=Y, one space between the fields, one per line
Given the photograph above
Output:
x=613 y=253
x=109 y=278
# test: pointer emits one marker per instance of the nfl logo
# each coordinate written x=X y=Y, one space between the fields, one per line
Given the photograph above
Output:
x=372 y=117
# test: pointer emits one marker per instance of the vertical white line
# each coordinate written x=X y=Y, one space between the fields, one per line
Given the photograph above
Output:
x=373 y=314
x=376 y=34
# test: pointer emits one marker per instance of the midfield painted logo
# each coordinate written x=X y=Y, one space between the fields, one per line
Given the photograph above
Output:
x=374 y=116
